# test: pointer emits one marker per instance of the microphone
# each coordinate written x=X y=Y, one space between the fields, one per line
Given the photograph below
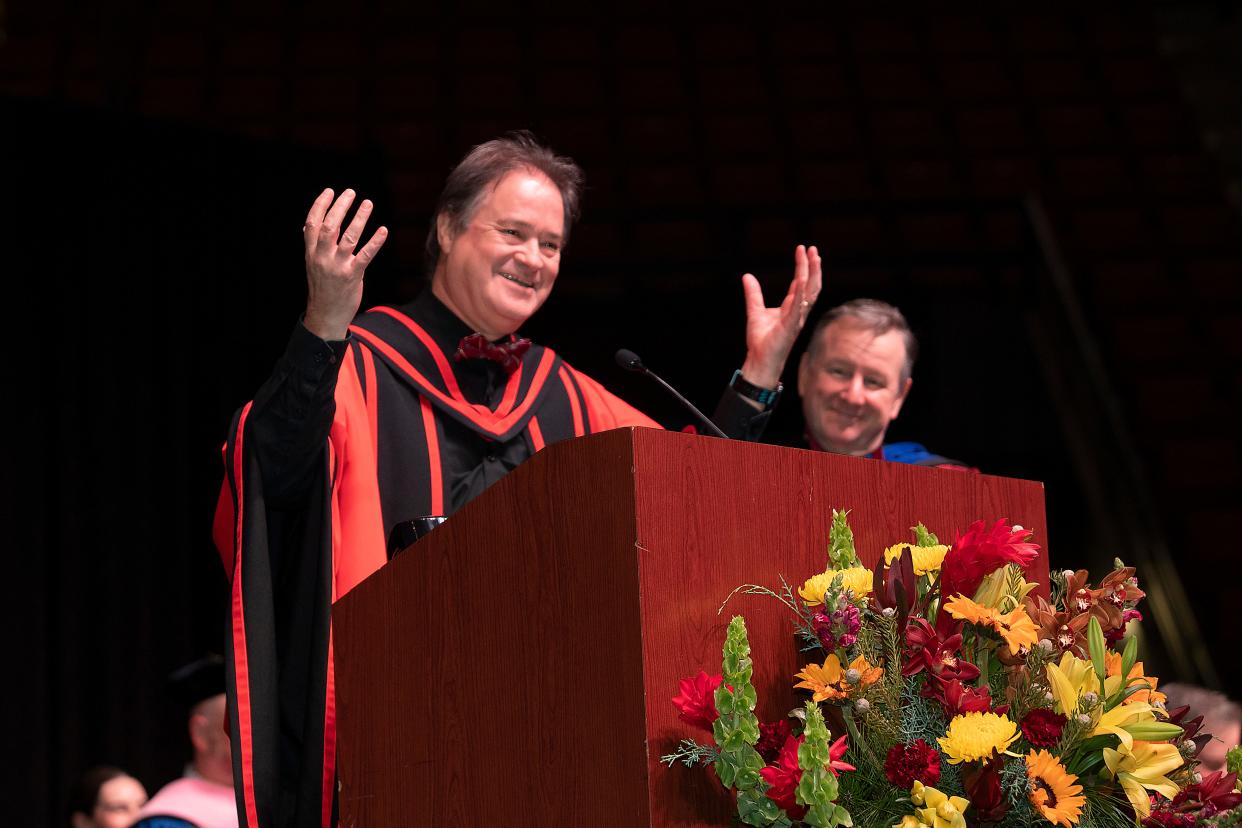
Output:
x=630 y=361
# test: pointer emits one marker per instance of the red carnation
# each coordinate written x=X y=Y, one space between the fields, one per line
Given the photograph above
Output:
x=697 y=701
x=907 y=764
x=1042 y=727
x=771 y=738
x=981 y=551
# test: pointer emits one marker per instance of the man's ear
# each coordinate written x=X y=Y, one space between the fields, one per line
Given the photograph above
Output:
x=444 y=233
x=199 y=738
x=81 y=820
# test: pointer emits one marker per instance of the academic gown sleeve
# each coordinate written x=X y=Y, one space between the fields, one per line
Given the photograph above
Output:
x=282 y=557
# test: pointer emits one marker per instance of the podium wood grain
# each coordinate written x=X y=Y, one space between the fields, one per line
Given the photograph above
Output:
x=515 y=666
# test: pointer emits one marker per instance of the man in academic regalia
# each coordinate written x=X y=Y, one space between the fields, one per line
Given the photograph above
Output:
x=853 y=379
x=203 y=797
x=406 y=412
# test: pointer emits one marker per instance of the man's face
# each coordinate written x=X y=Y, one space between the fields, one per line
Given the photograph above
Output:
x=499 y=270
x=851 y=386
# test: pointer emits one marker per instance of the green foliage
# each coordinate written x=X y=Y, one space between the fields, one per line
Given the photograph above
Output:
x=1233 y=760
x=1056 y=588
x=841 y=554
x=1022 y=813
x=879 y=643
x=1097 y=647
x=818 y=786
x=1229 y=819
x=1030 y=687
x=690 y=753
x=921 y=718
x=737 y=729
x=1104 y=811
x=802 y=627
x=924 y=537
x=1129 y=655
x=754 y=808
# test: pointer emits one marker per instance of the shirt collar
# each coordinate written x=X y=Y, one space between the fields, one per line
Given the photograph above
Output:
x=437 y=320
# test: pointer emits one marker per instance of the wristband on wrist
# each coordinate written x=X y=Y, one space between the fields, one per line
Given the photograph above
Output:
x=766 y=397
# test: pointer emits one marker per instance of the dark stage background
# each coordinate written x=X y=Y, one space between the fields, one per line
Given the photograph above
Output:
x=160 y=163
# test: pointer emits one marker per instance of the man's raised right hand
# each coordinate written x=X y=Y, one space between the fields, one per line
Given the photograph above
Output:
x=334 y=265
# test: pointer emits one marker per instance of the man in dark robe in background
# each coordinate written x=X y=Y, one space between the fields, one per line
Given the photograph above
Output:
x=853 y=379
x=407 y=412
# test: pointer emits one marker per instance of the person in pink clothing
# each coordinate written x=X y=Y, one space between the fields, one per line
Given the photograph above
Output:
x=204 y=796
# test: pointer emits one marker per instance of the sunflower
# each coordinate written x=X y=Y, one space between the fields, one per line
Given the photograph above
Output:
x=926 y=559
x=973 y=736
x=1052 y=790
x=1015 y=627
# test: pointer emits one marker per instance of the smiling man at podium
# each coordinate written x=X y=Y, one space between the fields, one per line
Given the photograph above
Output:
x=403 y=412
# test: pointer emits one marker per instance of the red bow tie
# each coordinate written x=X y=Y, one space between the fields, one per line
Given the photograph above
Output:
x=507 y=354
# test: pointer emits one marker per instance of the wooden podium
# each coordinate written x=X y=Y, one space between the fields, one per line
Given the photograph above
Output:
x=515 y=667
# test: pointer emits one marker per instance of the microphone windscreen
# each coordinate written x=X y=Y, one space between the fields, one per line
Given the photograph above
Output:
x=629 y=360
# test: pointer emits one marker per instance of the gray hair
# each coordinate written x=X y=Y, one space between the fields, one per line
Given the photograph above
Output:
x=876 y=316
x=484 y=166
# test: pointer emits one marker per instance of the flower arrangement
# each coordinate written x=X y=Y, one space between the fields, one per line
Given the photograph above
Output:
x=959 y=695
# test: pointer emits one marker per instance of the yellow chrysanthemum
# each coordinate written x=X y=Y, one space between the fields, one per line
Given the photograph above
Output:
x=827 y=682
x=927 y=559
x=856 y=578
x=812 y=591
x=1113 y=663
x=1142 y=768
x=974 y=736
x=1052 y=789
x=1015 y=627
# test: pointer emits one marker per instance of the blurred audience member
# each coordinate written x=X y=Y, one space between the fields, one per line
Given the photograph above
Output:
x=107 y=797
x=203 y=797
x=1221 y=717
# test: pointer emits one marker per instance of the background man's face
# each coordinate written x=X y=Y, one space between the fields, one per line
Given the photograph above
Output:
x=500 y=269
x=851 y=385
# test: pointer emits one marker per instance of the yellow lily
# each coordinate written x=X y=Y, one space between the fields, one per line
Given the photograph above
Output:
x=994 y=591
x=939 y=810
x=1069 y=680
x=1142 y=768
x=1116 y=720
